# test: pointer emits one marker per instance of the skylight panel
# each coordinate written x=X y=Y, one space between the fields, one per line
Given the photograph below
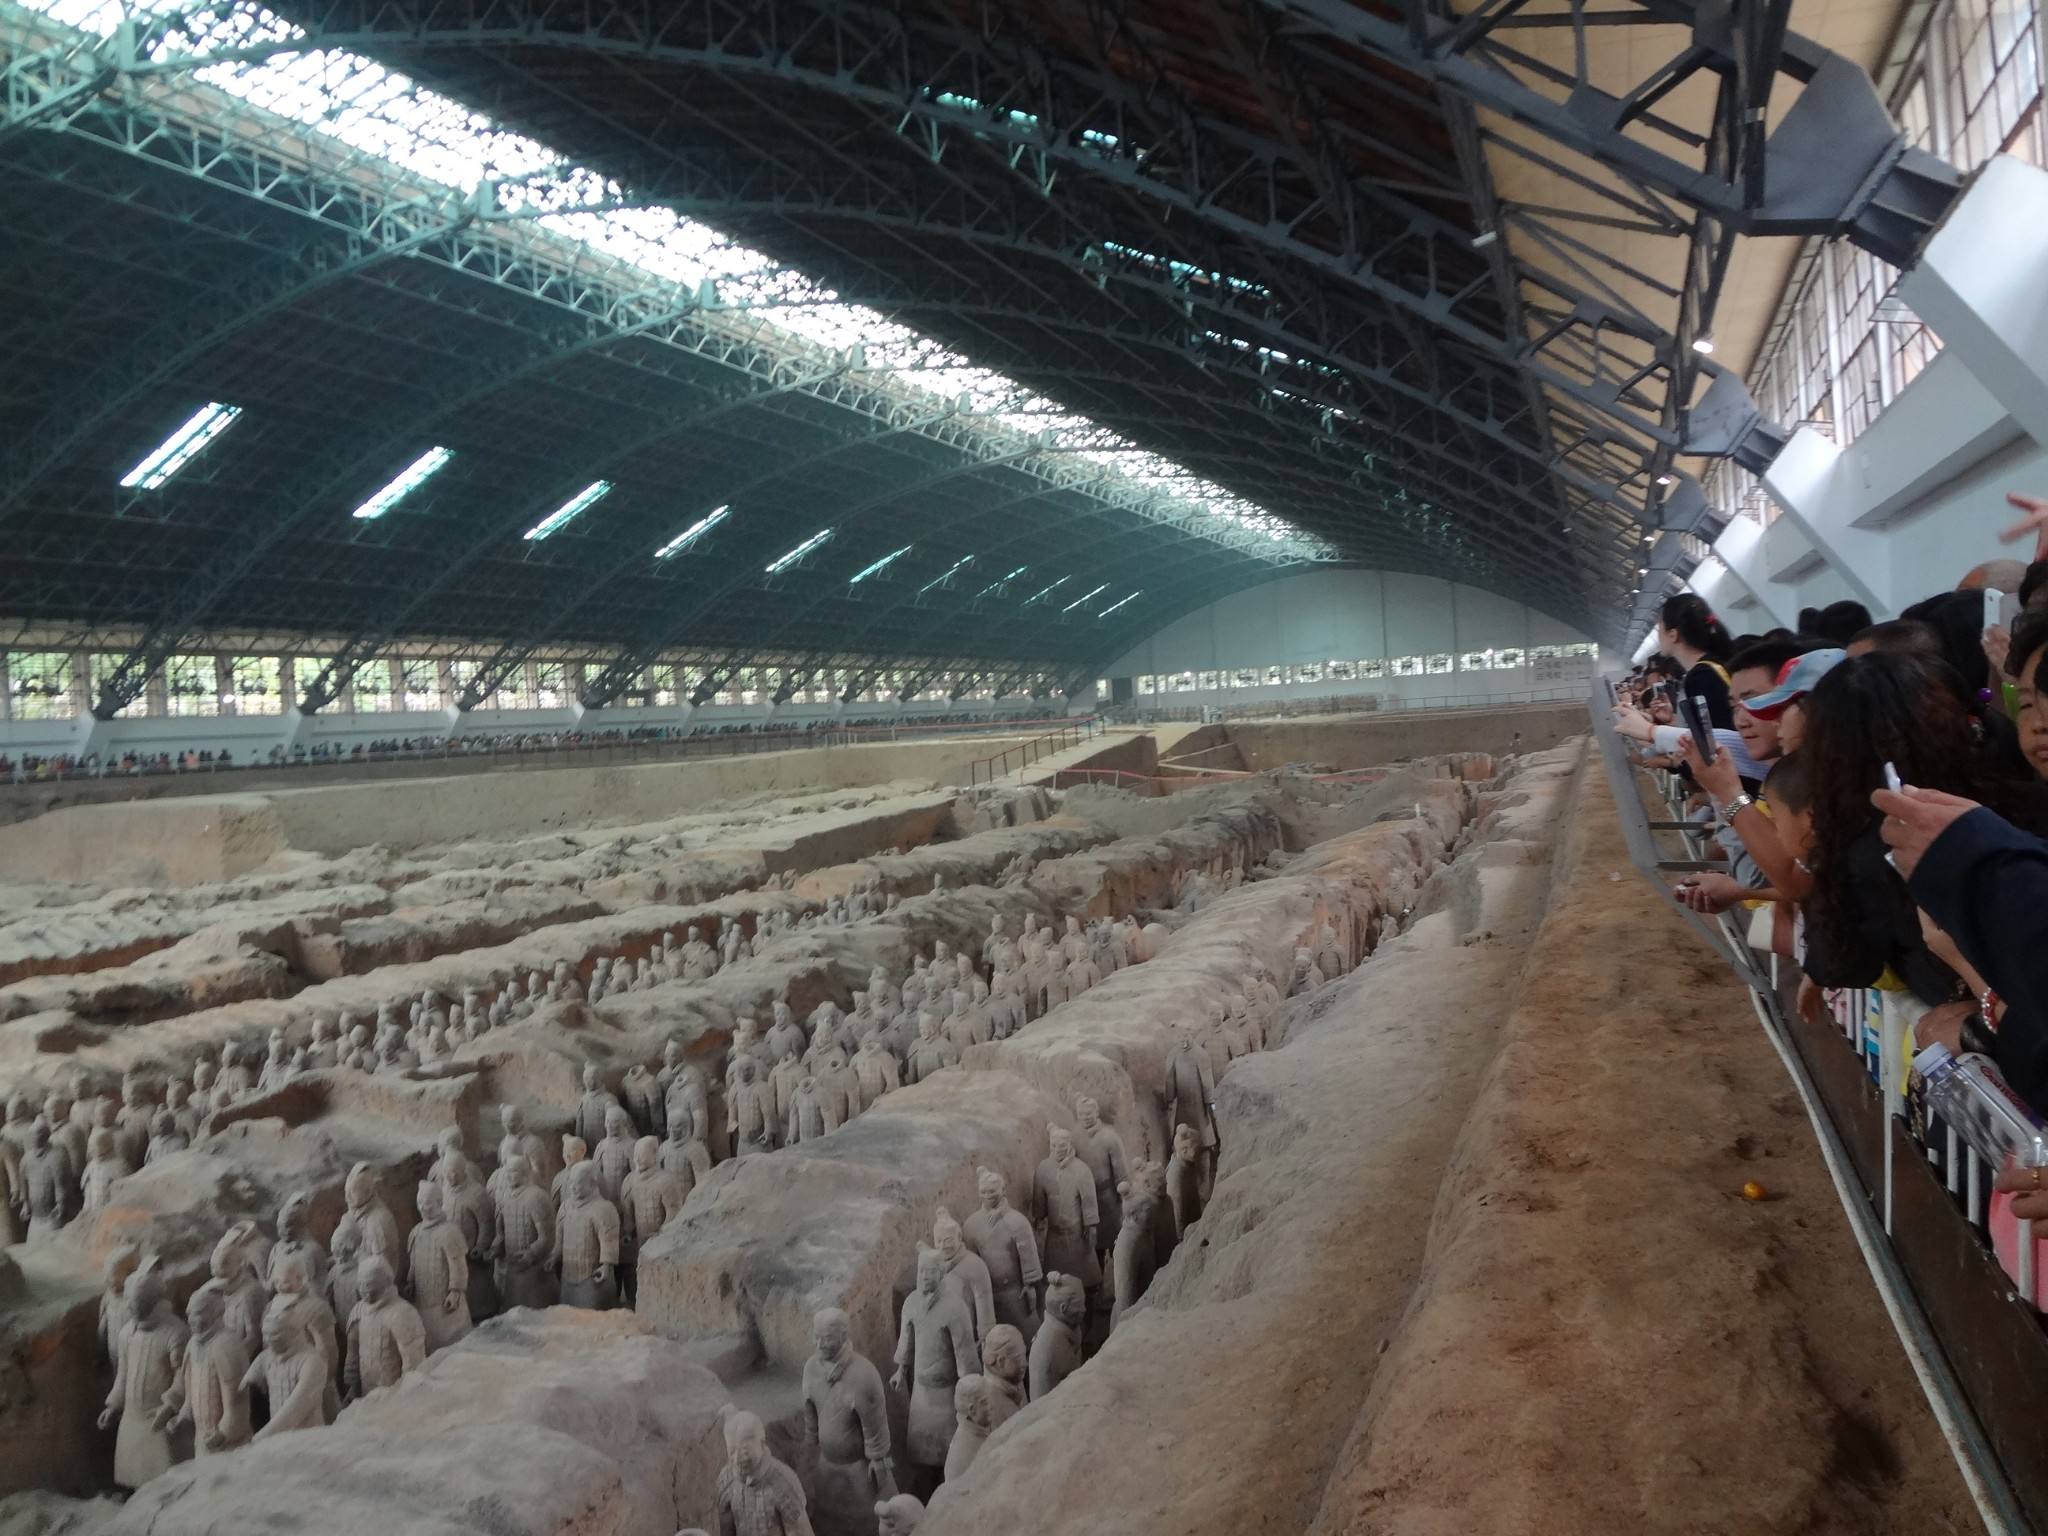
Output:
x=784 y=562
x=984 y=592
x=1112 y=608
x=182 y=446
x=1042 y=591
x=693 y=533
x=1077 y=602
x=949 y=570
x=348 y=100
x=580 y=503
x=881 y=565
x=410 y=479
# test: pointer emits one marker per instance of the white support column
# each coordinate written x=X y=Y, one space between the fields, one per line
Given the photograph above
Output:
x=1740 y=548
x=1815 y=485
x=1979 y=282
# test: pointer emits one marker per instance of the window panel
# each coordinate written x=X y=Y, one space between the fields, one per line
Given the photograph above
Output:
x=39 y=685
x=256 y=682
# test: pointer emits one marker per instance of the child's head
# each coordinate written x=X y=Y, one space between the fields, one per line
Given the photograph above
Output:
x=1789 y=793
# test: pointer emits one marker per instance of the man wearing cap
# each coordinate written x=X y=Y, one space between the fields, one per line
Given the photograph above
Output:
x=1770 y=688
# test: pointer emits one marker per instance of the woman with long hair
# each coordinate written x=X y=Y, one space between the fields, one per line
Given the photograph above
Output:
x=1902 y=709
x=1688 y=631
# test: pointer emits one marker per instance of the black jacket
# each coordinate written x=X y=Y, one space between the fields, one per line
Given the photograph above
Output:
x=1985 y=882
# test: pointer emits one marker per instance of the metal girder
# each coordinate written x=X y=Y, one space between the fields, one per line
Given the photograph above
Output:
x=1836 y=164
x=1092 y=122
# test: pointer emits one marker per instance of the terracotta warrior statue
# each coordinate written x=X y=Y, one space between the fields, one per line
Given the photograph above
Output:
x=587 y=1244
x=385 y=1336
x=523 y=1241
x=1001 y=1235
x=933 y=1052
x=1102 y=1149
x=133 y=1123
x=592 y=1109
x=970 y=1425
x=967 y=1276
x=747 y=1110
x=700 y=960
x=146 y=1361
x=1135 y=1261
x=474 y=1215
x=207 y=1394
x=438 y=1259
x=683 y=1089
x=1004 y=1361
x=46 y=1182
x=1056 y=1352
x=103 y=1165
x=934 y=1349
x=685 y=1154
x=303 y=1307
x=1191 y=1095
x=120 y=1265
x=1063 y=1212
x=847 y=1418
x=293 y=1375
x=243 y=1293
x=649 y=1200
x=166 y=1139
x=757 y=1495
x=613 y=1156
x=812 y=1113
x=785 y=1036
x=518 y=1141
x=874 y=1070
x=1184 y=1179
x=366 y=1230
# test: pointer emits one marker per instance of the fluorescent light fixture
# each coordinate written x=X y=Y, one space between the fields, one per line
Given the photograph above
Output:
x=984 y=592
x=1034 y=597
x=582 y=501
x=182 y=446
x=1484 y=238
x=881 y=564
x=1112 y=608
x=410 y=479
x=693 y=533
x=1667 y=479
x=784 y=562
x=949 y=570
x=1077 y=602
x=1703 y=344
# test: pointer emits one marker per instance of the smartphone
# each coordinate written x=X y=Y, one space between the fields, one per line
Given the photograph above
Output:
x=1891 y=779
x=1694 y=711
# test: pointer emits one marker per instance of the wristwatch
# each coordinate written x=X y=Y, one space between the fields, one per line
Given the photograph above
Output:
x=1735 y=807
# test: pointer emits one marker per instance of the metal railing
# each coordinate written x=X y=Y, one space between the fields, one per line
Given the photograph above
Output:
x=986 y=770
x=1919 y=1207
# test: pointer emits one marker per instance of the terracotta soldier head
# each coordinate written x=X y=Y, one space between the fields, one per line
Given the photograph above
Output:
x=1062 y=1143
x=832 y=1334
x=989 y=1185
x=617 y=1124
x=746 y=1445
x=1004 y=1353
x=294 y=1216
x=574 y=1150
x=899 y=1516
x=931 y=1272
x=375 y=1280
x=1088 y=1112
x=946 y=1237
x=207 y=1309
x=1065 y=1299
x=583 y=1183
x=517 y=1172
x=360 y=1188
x=513 y=1118
x=970 y=1401
x=430 y=1202
x=927 y=1025
x=672 y=1054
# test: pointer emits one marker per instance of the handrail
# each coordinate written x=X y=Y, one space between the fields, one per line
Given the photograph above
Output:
x=1032 y=751
x=1981 y=1357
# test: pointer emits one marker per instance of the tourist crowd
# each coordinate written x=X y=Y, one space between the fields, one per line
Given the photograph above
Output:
x=1879 y=794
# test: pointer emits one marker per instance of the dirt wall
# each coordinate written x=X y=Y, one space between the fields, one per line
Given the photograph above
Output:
x=1352 y=740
